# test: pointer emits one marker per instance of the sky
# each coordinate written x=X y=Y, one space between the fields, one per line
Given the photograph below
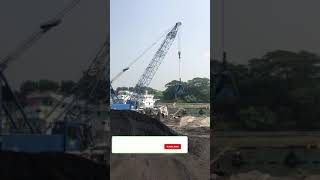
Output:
x=253 y=27
x=64 y=52
x=136 y=24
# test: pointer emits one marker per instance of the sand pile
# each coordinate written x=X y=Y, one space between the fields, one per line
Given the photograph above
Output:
x=49 y=166
x=192 y=121
x=192 y=126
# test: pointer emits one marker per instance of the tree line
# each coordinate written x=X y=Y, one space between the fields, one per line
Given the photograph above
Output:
x=196 y=90
x=63 y=87
x=88 y=88
x=280 y=90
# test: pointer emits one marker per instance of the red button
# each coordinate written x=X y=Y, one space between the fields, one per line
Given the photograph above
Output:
x=172 y=146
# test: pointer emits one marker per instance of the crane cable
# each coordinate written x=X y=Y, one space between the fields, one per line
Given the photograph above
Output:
x=223 y=27
x=139 y=57
x=67 y=9
x=179 y=53
x=27 y=43
x=179 y=89
x=224 y=54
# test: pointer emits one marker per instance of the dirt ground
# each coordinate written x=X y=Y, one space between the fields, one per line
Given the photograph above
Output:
x=276 y=140
x=192 y=166
x=50 y=166
x=256 y=175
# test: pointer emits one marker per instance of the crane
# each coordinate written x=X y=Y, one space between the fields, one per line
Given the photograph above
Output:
x=95 y=78
x=157 y=59
x=150 y=71
x=114 y=97
x=17 y=52
x=58 y=140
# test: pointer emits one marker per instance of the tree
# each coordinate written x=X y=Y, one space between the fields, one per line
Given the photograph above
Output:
x=67 y=86
x=48 y=85
x=122 y=89
x=157 y=94
x=169 y=92
x=282 y=84
x=195 y=90
x=200 y=88
x=293 y=68
x=28 y=87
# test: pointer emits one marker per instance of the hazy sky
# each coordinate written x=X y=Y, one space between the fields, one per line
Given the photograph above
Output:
x=61 y=54
x=136 y=24
x=254 y=27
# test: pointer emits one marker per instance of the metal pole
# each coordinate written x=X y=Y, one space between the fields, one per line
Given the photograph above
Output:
x=223 y=27
x=1 y=105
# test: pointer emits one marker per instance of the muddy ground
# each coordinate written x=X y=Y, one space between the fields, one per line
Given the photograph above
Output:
x=193 y=166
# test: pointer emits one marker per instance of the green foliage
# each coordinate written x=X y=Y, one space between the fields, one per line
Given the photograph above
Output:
x=169 y=92
x=190 y=99
x=199 y=88
x=157 y=94
x=196 y=90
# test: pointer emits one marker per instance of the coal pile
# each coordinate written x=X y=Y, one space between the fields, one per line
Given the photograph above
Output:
x=191 y=166
x=50 y=166
x=134 y=123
